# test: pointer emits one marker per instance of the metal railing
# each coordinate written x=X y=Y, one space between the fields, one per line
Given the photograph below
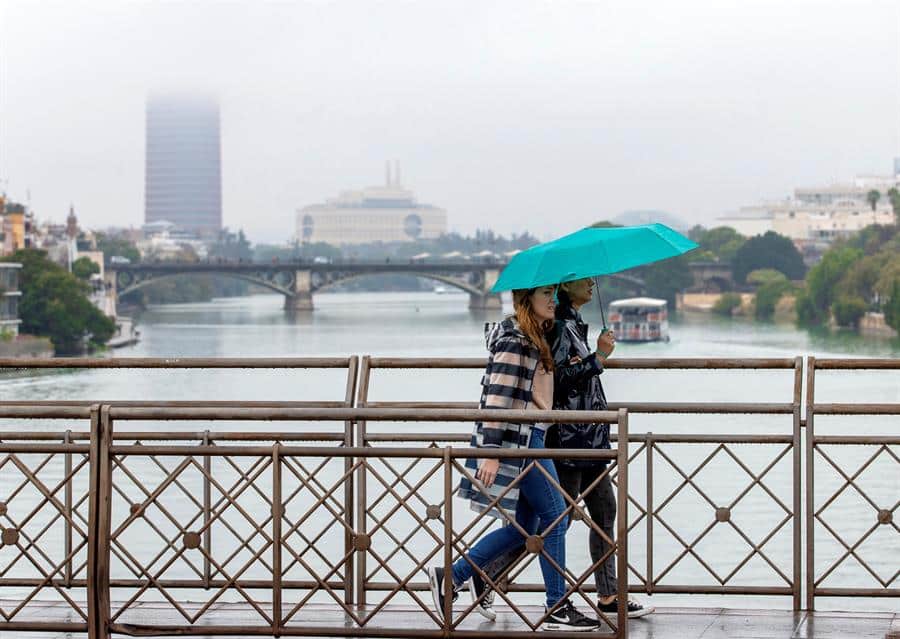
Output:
x=242 y=512
x=820 y=453
x=66 y=497
x=657 y=449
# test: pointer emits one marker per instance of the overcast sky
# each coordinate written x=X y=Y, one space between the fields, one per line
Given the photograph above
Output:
x=539 y=116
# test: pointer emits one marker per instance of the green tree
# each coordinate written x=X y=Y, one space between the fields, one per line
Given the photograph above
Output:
x=111 y=246
x=814 y=302
x=872 y=198
x=726 y=304
x=665 y=279
x=771 y=286
x=723 y=241
x=768 y=251
x=894 y=199
x=848 y=309
x=84 y=267
x=892 y=307
x=55 y=304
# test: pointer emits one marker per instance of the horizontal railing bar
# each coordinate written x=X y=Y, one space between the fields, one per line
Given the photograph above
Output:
x=44 y=448
x=134 y=630
x=632 y=363
x=176 y=404
x=858 y=592
x=632 y=437
x=856 y=409
x=176 y=362
x=712 y=408
x=858 y=363
x=45 y=412
x=43 y=626
x=176 y=436
x=857 y=439
x=7 y=582
x=310 y=451
x=637 y=587
x=368 y=414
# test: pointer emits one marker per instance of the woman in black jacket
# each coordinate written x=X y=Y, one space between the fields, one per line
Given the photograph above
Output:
x=577 y=387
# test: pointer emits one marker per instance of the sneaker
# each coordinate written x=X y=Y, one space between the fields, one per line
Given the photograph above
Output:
x=635 y=610
x=485 y=606
x=436 y=581
x=566 y=617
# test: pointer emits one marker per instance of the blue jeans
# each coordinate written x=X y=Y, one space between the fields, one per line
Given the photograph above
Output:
x=539 y=505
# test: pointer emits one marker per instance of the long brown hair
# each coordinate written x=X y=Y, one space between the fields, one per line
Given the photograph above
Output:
x=533 y=328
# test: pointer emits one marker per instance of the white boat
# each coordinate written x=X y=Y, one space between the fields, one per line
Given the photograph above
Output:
x=640 y=319
x=441 y=290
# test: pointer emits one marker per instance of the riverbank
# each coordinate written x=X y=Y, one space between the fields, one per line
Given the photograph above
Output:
x=26 y=346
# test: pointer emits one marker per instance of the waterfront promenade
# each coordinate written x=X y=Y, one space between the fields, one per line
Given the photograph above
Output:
x=124 y=517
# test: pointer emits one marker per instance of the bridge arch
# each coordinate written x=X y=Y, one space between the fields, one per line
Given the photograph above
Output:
x=341 y=278
x=133 y=284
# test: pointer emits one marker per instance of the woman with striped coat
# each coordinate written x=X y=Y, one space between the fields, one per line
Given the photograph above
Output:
x=519 y=375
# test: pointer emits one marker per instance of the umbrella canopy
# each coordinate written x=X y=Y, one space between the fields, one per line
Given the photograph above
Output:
x=591 y=252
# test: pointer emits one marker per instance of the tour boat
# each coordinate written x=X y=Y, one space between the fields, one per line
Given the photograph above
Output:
x=639 y=319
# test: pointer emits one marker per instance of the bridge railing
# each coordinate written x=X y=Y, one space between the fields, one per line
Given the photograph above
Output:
x=169 y=524
x=858 y=473
x=663 y=539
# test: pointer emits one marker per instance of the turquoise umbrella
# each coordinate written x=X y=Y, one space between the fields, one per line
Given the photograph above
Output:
x=591 y=252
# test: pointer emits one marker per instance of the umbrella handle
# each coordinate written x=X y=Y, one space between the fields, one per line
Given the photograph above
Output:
x=600 y=302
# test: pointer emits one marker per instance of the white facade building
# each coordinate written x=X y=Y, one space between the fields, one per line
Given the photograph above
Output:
x=819 y=213
x=388 y=213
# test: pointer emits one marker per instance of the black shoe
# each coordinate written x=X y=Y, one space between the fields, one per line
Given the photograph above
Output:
x=436 y=581
x=566 y=617
x=635 y=610
x=485 y=607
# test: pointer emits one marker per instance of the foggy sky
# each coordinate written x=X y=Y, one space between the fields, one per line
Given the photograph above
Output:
x=516 y=115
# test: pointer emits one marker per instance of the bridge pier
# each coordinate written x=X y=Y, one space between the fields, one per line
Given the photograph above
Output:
x=485 y=302
x=301 y=300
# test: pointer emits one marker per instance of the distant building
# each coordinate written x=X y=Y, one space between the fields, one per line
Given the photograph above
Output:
x=15 y=226
x=9 y=298
x=165 y=241
x=183 y=177
x=820 y=214
x=388 y=213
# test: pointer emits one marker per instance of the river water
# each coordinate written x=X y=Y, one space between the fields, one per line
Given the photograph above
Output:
x=429 y=325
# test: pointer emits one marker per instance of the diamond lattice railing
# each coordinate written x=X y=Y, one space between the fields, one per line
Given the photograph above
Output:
x=43 y=503
x=721 y=514
x=882 y=516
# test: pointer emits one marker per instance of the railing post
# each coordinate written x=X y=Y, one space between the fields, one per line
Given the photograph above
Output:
x=447 y=613
x=277 y=514
x=622 y=524
x=810 y=484
x=349 y=489
x=207 y=513
x=649 y=457
x=99 y=521
x=796 y=444
x=68 y=498
x=361 y=478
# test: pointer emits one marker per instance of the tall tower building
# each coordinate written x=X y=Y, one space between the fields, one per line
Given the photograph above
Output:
x=183 y=177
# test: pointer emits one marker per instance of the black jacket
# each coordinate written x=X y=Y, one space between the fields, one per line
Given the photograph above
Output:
x=576 y=386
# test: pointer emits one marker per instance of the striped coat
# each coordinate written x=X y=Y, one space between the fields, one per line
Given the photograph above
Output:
x=506 y=384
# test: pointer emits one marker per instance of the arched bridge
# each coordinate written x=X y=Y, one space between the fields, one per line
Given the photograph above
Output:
x=298 y=282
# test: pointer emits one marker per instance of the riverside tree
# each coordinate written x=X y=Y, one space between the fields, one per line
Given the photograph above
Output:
x=772 y=251
x=55 y=304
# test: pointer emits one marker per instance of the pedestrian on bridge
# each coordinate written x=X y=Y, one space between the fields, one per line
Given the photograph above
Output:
x=519 y=375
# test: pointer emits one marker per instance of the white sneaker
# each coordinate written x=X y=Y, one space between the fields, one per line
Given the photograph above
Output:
x=485 y=607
